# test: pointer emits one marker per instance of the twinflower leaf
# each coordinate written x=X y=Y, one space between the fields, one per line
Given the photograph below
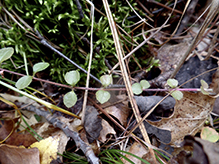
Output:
x=102 y=96
x=23 y=82
x=72 y=77
x=40 y=66
x=136 y=88
x=173 y=83
x=6 y=53
x=144 y=84
x=70 y=99
x=106 y=80
x=177 y=95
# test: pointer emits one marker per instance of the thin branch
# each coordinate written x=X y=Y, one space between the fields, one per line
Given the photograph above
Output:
x=79 y=9
x=87 y=150
x=45 y=43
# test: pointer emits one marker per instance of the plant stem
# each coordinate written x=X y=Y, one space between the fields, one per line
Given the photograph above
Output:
x=47 y=104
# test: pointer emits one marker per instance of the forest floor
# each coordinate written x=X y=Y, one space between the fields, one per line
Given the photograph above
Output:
x=124 y=82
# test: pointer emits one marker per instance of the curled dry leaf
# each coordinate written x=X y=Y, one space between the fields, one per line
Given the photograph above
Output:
x=170 y=55
x=107 y=129
x=46 y=130
x=215 y=84
x=119 y=111
x=188 y=117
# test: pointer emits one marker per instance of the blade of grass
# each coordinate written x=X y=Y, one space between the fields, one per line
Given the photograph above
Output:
x=38 y=138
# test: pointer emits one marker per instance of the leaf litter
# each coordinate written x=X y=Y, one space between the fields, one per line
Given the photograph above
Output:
x=188 y=117
x=190 y=114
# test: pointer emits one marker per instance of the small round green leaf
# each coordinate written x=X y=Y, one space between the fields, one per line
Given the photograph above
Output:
x=209 y=134
x=72 y=77
x=106 y=80
x=6 y=53
x=177 y=95
x=173 y=83
x=136 y=88
x=70 y=99
x=102 y=96
x=144 y=84
x=23 y=82
x=40 y=66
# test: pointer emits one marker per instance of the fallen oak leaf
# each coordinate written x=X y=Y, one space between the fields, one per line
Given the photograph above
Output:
x=188 y=117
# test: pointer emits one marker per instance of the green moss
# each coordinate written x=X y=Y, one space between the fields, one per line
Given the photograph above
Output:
x=60 y=23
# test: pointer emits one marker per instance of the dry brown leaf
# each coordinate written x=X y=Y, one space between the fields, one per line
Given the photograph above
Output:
x=202 y=151
x=188 y=117
x=17 y=139
x=138 y=150
x=119 y=110
x=21 y=99
x=92 y=123
x=13 y=155
x=107 y=129
x=169 y=56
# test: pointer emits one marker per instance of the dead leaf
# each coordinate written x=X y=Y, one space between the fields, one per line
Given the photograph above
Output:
x=92 y=123
x=138 y=150
x=203 y=151
x=48 y=149
x=30 y=121
x=21 y=99
x=169 y=56
x=162 y=134
x=118 y=108
x=188 y=117
x=145 y=103
x=46 y=130
x=13 y=155
x=215 y=84
x=15 y=138
x=120 y=112
x=107 y=129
